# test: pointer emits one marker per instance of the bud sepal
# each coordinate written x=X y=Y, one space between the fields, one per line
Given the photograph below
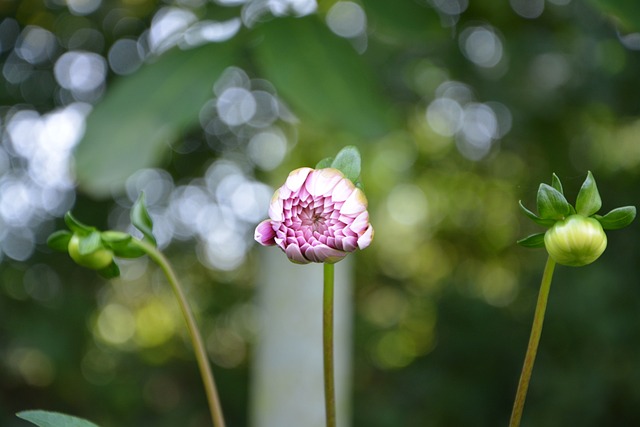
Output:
x=576 y=235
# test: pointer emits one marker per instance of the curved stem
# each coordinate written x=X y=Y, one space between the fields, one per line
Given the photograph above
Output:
x=327 y=341
x=534 y=339
x=194 y=333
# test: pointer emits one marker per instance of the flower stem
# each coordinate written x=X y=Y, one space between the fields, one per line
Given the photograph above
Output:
x=327 y=341
x=194 y=333
x=534 y=339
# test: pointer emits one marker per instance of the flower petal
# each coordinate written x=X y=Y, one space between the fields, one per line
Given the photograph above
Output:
x=323 y=253
x=296 y=178
x=294 y=255
x=342 y=190
x=355 y=203
x=322 y=181
x=265 y=234
x=276 y=207
x=366 y=238
x=360 y=223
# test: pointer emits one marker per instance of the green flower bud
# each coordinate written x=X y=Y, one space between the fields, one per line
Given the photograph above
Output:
x=575 y=241
x=96 y=260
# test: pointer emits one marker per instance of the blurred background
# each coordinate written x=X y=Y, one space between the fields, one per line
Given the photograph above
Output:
x=459 y=109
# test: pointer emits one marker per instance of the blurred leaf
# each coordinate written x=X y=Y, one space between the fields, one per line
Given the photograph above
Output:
x=115 y=237
x=59 y=240
x=110 y=272
x=410 y=21
x=322 y=76
x=588 y=201
x=551 y=203
x=533 y=241
x=140 y=114
x=617 y=218
x=348 y=162
x=141 y=220
x=53 y=419
x=76 y=226
x=625 y=11
x=324 y=163
x=89 y=243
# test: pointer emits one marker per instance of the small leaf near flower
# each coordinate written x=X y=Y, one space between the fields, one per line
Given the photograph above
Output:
x=114 y=237
x=535 y=218
x=59 y=240
x=141 y=220
x=617 y=218
x=551 y=203
x=348 y=162
x=110 y=272
x=324 y=163
x=90 y=243
x=533 y=241
x=76 y=226
x=555 y=183
x=588 y=201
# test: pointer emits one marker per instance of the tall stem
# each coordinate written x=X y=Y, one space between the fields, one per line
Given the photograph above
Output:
x=327 y=341
x=532 y=348
x=194 y=333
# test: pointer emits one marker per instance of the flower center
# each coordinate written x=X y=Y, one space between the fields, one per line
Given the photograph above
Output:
x=313 y=219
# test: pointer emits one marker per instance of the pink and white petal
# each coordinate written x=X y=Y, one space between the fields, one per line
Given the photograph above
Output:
x=342 y=190
x=322 y=181
x=294 y=255
x=366 y=238
x=276 y=207
x=360 y=223
x=355 y=203
x=296 y=178
x=264 y=234
x=350 y=243
x=323 y=253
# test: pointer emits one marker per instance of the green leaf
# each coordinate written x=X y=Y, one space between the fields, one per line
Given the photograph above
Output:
x=533 y=241
x=89 y=243
x=59 y=240
x=141 y=220
x=76 y=226
x=322 y=77
x=132 y=126
x=551 y=203
x=126 y=249
x=324 y=163
x=555 y=183
x=588 y=201
x=536 y=218
x=111 y=236
x=53 y=419
x=617 y=218
x=348 y=162
x=110 y=272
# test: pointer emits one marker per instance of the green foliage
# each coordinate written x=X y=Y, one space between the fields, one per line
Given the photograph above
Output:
x=588 y=201
x=131 y=128
x=141 y=220
x=322 y=77
x=53 y=419
x=617 y=218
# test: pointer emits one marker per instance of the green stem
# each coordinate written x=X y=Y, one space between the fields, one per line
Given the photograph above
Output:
x=327 y=341
x=534 y=339
x=194 y=333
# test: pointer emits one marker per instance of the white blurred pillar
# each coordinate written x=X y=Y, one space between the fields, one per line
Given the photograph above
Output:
x=287 y=379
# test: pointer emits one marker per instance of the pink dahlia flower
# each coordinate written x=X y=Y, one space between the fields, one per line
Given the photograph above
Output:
x=317 y=216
